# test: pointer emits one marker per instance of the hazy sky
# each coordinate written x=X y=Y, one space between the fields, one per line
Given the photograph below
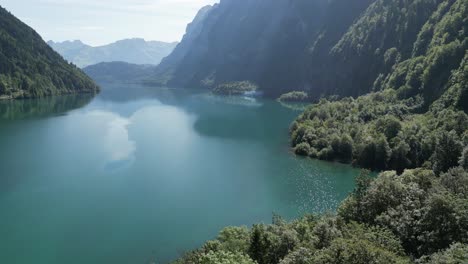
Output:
x=98 y=22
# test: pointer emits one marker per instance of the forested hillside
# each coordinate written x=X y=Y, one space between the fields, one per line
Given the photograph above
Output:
x=410 y=60
x=338 y=47
x=234 y=42
x=417 y=217
x=30 y=68
x=419 y=114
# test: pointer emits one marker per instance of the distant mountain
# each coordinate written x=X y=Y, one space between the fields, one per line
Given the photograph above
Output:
x=323 y=47
x=121 y=72
x=136 y=51
x=30 y=68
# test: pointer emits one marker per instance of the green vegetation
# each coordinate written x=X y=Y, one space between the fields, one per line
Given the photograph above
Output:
x=235 y=88
x=416 y=217
x=42 y=107
x=413 y=126
x=417 y=119
x=439 y=49
x=428 y=213
x=374 y=45
x=294 y=96
x=381 y=132
x=30 y=68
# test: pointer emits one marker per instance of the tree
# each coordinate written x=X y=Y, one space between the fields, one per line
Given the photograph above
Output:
x=299 y=256
x=382 y=153
x=357 y=251
x=3 y=86
x=234 y=239
x=303 y=149
x=464 y=159
x=223 y=257
x=456 y=254
x=367 y=155
x=399 y=160
x=444 y=221
x=447 y=153
x=258 y=244
x=456 y=180
x=389 y=126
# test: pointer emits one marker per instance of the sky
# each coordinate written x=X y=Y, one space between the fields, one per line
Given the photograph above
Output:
x=100 y=22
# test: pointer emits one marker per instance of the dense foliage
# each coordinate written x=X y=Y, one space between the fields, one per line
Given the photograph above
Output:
x=380 y=132
x=412 y=56
x=426 y=212
x=417 y=119
x=235 y=88
x=416 y=217
x=30 y=68
x=294 y=96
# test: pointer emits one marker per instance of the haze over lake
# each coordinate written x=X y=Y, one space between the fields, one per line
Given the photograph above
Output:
x=139 y=174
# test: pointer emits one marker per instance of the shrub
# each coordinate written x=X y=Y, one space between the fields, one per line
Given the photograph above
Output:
x=294 y=96
x=303 y=149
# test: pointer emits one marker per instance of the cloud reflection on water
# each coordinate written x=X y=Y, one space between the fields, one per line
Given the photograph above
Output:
x=117 y=145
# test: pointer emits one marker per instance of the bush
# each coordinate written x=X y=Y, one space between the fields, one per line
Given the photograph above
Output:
x=223 y=257
x=456 y=254
x=302 y=149
x=379 y=132
x=294 y=96
x=427 y=213
x=235 y=88
x=385 y=220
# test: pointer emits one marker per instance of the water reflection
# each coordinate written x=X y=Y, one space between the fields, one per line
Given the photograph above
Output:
x=232 y=100
x=242 y=122
x=295 y=106
x=140 y=169
x=125 y=93
x=42 y=107
x=116 y=143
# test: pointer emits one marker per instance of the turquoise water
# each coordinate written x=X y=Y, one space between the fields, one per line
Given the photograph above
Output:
x=139 y=174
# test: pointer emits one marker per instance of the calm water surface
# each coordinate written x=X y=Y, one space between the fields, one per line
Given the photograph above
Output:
x=141 y=174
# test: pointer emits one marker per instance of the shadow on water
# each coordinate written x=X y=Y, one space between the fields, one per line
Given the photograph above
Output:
x=237 y=117
x=42 y=107
x=125 y=93
x=28 y=109
x=140 y=168
x=295 y=106
x=243 y=119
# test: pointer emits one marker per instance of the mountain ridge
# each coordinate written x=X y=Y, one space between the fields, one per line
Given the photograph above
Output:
x=305 y=47
x=132 y=50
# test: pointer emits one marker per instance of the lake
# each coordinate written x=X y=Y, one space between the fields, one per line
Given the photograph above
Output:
x=139 y=174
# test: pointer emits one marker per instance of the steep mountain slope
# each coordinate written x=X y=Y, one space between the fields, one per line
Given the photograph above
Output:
x=438 y=51
x=417 y=116
x=30 y=68
x=384 y=33
x=337 y=47
x=136 y=51
x=413 y=58
x=166 y=69
x=236 y=43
